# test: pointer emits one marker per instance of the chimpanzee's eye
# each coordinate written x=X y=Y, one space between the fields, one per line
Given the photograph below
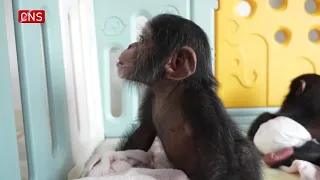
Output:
x=141 y=38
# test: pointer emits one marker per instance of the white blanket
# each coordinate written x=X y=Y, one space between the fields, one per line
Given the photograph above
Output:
x=131 y=165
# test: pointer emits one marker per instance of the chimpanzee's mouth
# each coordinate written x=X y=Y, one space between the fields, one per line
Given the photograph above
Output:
x=120 y=63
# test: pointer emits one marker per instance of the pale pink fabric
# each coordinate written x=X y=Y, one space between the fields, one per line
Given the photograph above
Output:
x=307 y=170
x=131 y=165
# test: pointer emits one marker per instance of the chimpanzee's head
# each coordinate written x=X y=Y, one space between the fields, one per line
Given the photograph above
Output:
x=305 y=91
x=170 y=48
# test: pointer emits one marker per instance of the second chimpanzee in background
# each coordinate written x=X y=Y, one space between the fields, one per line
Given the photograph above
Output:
x=181 y=107
x=302 y=104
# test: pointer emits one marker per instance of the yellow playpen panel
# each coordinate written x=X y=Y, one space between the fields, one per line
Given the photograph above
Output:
x=261 y=46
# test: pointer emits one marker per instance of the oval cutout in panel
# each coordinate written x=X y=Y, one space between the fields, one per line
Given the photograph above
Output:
x=244 y=8
x=311 y=7
x=283 y=36
x=314 y=35
x=44 y=39
x=116 y=83
x=278 y=4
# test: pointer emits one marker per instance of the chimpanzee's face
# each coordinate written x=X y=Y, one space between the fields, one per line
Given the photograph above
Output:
x=135 y=57
x=149 y=60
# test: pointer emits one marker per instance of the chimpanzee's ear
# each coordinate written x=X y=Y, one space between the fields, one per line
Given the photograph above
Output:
x=302 y=87
x=181 y=64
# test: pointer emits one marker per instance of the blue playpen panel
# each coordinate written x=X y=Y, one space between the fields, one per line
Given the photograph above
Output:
x=9 y=160
x=42 y=82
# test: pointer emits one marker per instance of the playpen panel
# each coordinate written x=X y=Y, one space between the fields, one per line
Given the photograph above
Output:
x=9 y=163
x=42 y=81
x=242 y=54
x=257 y=62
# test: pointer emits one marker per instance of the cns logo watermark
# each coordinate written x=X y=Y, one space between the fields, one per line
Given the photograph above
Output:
x=31 y=16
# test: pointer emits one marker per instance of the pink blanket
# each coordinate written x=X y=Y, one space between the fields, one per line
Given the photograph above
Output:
x=131 y=165
x=307 y=170
x=154 y=165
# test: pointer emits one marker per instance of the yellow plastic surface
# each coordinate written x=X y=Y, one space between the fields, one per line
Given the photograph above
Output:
x=254 y=70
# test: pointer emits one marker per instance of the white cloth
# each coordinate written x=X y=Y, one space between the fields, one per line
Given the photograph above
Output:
x=279 y=133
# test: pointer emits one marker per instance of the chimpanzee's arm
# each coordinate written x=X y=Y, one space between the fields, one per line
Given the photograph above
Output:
x=257 y=122
x=310 y=152
x=143 y=136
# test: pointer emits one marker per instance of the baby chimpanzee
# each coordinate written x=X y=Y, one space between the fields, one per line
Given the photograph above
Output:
x=173 y=59
x=302 y=104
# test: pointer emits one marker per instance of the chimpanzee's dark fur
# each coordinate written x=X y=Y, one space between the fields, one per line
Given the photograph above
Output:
x=173 y=58
x=302 y=104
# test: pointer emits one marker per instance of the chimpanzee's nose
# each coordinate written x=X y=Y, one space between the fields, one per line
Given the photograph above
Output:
x=131 y=45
